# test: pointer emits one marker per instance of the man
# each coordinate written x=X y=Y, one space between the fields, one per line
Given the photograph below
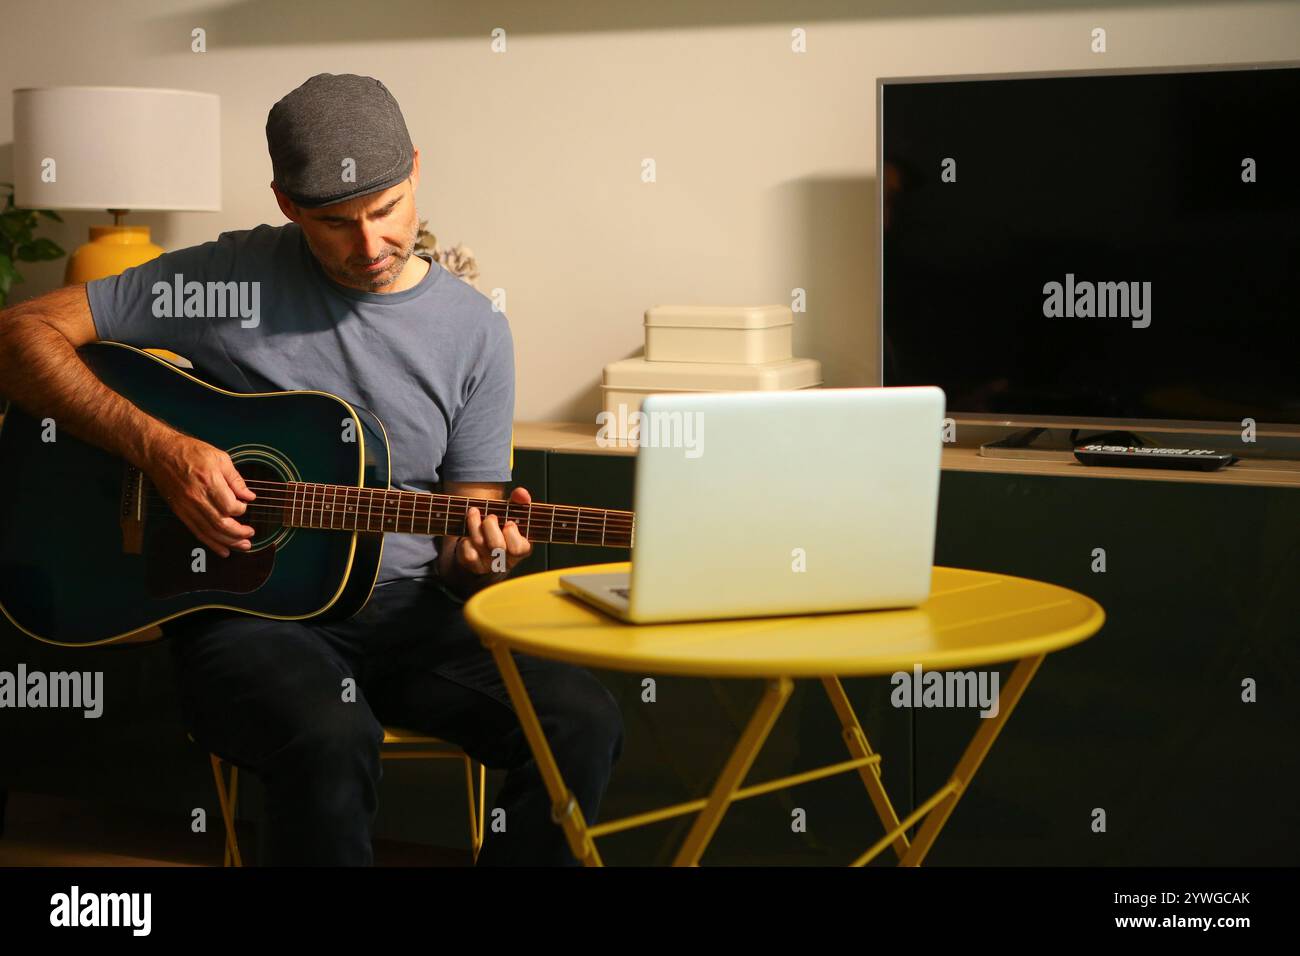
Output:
x=344 y=307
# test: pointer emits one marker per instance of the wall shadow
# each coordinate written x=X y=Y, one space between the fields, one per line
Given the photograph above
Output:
x=253 y=23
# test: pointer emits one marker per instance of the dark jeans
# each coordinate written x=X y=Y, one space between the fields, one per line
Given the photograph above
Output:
x=269 y=696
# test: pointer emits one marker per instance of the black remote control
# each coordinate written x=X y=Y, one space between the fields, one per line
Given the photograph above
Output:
x=1197 y=459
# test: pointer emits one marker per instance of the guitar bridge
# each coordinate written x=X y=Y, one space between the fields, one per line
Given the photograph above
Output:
x=131 y=516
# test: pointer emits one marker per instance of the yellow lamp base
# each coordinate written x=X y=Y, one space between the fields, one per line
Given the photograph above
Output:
x=112 y=249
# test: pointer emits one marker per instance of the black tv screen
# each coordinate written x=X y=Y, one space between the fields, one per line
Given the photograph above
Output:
x=1092 y=247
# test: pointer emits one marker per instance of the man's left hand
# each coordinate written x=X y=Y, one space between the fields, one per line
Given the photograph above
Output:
x=485 y=543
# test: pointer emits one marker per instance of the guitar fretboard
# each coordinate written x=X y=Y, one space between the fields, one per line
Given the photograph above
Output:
x=347 y=508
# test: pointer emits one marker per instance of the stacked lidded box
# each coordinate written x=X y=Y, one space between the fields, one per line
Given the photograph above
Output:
x=707 y=348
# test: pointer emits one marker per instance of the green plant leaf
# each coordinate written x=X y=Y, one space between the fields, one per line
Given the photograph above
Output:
x=50 y=214
x=13 y=227
x=40 y=250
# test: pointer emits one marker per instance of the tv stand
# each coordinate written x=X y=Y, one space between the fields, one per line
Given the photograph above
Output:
x=1053 y=444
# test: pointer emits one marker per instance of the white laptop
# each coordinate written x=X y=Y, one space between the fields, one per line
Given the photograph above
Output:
x=750 y=504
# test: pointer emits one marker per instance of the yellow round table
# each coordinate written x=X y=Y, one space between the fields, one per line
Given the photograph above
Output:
x=971 y=619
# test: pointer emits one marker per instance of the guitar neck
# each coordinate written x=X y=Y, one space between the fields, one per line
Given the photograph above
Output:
x=348 y=508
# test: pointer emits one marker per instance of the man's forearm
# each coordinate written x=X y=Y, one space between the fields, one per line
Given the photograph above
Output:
x=41 y=371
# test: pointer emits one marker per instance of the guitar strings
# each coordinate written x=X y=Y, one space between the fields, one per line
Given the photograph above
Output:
x=313 y=498
x=277 y=492
x=309 y=498
x=408 y=515
x=419 y=516
x=273 y=518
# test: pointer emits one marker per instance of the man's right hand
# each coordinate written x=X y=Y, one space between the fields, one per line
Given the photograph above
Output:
x=201 y=486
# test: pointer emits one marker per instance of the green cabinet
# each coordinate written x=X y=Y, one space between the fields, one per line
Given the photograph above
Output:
x=596 y=481
x=1143 y=726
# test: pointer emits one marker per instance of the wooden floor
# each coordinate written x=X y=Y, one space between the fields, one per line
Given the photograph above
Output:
x=41 y=830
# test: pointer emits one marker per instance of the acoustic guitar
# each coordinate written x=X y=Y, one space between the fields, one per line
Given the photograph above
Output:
x=91 y=554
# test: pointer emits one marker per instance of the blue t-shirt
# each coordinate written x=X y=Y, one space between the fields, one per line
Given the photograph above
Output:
x=435 y=362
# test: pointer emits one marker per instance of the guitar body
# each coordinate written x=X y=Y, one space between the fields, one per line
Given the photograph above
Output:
x=89 y=554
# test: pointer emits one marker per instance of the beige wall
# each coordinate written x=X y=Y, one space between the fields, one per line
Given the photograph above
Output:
x=765 y=158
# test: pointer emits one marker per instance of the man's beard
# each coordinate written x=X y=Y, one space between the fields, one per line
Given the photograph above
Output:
x=373 y=282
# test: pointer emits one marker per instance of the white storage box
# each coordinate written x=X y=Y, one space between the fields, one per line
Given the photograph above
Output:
x=629 y=381
x=741 y=335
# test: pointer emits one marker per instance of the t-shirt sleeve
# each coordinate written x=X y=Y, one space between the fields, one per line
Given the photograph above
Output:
x=145 y=305
x=478 y=448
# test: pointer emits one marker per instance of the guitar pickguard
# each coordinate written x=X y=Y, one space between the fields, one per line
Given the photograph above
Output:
x=176 y=562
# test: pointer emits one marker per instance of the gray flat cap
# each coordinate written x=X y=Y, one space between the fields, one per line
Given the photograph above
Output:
x=314 y=131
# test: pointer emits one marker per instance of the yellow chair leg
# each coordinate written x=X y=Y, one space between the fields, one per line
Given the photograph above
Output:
x=482 y=804
x=228 y=802
x=476 y=805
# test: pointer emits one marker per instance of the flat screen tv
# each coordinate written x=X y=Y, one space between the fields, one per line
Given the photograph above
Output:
x=1102 y=249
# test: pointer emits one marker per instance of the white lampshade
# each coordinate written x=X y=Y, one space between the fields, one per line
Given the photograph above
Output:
x=117 y=148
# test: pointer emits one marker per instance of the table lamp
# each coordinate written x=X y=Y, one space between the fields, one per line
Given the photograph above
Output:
x=117 y=149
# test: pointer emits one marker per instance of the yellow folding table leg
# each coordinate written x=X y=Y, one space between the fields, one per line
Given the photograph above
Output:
x=564 y=805
x=733 y=774
x=859 y=746
x=970 y=761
